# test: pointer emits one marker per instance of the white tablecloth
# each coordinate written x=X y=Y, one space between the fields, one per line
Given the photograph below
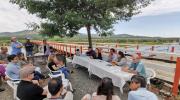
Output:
x=82 y=60
x=103 y=69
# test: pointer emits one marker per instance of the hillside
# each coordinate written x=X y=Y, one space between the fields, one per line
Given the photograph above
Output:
x=20 y=34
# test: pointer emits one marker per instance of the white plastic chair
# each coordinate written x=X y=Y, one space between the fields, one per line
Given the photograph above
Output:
x=13 y=84
x=68 y=60
x=150 y=73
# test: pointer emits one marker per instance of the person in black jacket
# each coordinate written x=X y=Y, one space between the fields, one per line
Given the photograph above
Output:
x=28 y=89
x=29 y=47
x=91 y=53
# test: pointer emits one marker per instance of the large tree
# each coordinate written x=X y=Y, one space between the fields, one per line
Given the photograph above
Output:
x=67 y=17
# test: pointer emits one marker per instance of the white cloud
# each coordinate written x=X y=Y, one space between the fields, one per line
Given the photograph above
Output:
x=159 y=7
x=12 y=18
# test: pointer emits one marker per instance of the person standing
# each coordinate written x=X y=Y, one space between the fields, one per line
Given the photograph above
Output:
x=16 y=46
x=45 y=47
x=29 y=47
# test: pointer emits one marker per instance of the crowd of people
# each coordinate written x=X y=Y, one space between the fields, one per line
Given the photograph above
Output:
x=118 y=58
x=14 y=66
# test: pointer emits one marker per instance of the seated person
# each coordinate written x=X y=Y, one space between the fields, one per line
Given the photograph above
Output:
x=104 y=91
x=122 y=60
x=78 y=53
x=60 y=61
x=138 y=89
x=51 y=50
x=51 y=65
x=27 y=90
x=13 y=67
x=98 y=54
x=136 y=67
x=2 y=76
x=112 y=55
x=22 y=60
x=3 y=62
x=3 y=55
x=91 y=53
x=55 y=87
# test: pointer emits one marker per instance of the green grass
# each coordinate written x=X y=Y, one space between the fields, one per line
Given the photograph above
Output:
x=94 y=40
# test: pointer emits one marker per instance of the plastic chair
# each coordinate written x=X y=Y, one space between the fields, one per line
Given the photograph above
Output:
x=13 y=84
x=150 y=73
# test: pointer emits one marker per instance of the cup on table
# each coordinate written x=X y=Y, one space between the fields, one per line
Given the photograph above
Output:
x=113 y=63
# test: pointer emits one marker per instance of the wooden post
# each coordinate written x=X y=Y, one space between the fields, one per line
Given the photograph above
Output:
x=70 y=51
x=63 y=48
x=172 y=51
x=116 y=45
x=137 y=47
x=176 y=78
x=152 y=48
x=75 y=50
x=66 y=51
x=81 y=49
x=60 y=47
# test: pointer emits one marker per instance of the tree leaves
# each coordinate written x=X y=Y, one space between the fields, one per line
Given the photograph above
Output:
x=66 y=17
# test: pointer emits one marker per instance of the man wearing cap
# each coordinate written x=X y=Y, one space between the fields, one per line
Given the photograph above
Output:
x=27 y=90
x=28 y=47
x=16 y=46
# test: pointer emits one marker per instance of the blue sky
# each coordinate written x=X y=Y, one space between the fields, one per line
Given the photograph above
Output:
x=161 y=18
x=165 y=25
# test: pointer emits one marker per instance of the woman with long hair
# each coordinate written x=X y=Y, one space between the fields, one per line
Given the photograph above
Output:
x=122 y=60
x=105 y=91
x=98 y=54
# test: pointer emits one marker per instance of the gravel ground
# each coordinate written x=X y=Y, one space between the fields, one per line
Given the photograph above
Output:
x=83 y=84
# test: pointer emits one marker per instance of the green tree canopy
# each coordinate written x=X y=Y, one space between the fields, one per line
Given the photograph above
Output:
x=67 y=17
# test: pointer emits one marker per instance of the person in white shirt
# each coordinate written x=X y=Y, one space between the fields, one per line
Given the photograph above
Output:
x=138 y=89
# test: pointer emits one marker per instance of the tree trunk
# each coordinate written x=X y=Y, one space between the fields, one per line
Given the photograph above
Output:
x=88 y=27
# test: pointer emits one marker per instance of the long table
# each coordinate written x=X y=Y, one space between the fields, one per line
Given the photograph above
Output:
x=104 y=69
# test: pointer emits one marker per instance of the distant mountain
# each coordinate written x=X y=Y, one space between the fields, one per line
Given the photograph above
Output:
x=21 y=34
x=115 y=36
x=33 y=34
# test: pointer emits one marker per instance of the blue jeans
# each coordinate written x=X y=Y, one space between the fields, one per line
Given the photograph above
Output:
x=29 y=53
